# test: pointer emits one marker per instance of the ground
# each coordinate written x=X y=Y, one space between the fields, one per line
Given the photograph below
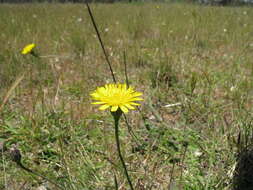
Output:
x=192 y=63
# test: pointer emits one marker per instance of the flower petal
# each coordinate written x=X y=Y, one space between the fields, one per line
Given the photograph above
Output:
x=136 y=99
x=114 y=96
x=114 y=108
x=98 y=103
x=129 y=106
x=28 y=49
x=103 y=107
x=137 y=94
x=133 y=103
x=124 y=109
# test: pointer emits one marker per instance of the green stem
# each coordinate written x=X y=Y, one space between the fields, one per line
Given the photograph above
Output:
x=116 y=116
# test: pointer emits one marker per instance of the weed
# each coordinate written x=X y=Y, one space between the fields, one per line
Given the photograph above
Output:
x=193 y=58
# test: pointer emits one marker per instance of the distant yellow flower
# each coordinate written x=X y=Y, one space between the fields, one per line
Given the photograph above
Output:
x=116 y=96
x=28 y=49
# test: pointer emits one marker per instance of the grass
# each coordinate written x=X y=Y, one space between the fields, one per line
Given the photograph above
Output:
x=198 y=56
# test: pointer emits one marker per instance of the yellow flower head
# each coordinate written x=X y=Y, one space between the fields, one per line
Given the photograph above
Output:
x=28 y=49
x=116 y=96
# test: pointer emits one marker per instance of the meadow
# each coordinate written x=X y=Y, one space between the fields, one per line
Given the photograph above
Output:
x=192 y=63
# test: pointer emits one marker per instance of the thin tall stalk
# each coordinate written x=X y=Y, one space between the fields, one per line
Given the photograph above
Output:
x=101 y=42
x=116 y=116
x=17 y=158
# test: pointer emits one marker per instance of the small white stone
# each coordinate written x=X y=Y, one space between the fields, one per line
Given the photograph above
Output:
x=198 y=153
x=232 y=88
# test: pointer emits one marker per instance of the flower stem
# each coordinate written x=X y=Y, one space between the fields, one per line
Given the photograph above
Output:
x=116 y=116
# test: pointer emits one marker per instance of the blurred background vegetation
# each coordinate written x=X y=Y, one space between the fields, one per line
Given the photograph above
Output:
x=205 y=2
x=193 y=64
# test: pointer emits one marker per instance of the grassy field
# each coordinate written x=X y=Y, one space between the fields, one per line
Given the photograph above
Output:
x=193 y=64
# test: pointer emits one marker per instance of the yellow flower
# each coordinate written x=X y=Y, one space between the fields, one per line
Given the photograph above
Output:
x=116 y=96
x=28 y=49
